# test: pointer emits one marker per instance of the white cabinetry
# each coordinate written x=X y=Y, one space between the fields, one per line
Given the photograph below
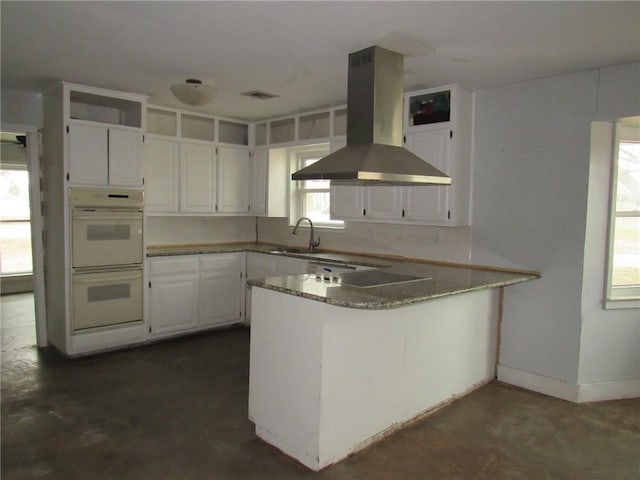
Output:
x=197 y=177
x=221 y=277
x=105 y=136
x=194 y=292
x=90 y=137
x=173 y=294
x=210 y=174
x=104 y=156
x=88 y=154
x=437 y=128
x=429 y=203
x=125 y=157
x=162 y=167
x=383 y=203
x=269 y=180
x=233 y=180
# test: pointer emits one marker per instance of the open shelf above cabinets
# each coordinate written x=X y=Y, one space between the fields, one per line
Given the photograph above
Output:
x=192 y=126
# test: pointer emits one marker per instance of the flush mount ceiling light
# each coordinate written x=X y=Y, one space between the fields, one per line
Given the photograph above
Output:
x=193 y=92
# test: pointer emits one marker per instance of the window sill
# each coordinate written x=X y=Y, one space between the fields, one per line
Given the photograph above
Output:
x=621 y=304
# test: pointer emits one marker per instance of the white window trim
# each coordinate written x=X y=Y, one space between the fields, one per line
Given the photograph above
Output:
x=622 y=296
x=297 y=155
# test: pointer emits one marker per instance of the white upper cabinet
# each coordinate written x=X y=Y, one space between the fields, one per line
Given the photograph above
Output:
x=233 y=180
x=88 y=153
x=269 y=182
x=438 y=128
x=104 y=156
x=162 y=167
x=197 y=177
x=105 y=136
x=259 y=179
x=347 y=202
x=125 y=157
x=428 y=203
x=203 y=162
x=383 y=203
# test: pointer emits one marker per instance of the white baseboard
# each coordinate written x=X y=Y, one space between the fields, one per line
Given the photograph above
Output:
x=581 y=393
x=598 y=392
x=538 y=383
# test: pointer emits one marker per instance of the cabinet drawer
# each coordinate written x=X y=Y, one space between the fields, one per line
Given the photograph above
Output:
x=160 y=266
x=220 y=260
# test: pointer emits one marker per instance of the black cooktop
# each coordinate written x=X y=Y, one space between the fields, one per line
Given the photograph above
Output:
x=376 y=278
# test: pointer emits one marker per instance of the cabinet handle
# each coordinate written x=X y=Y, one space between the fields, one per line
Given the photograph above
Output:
x=403 y=213
x=364 y=212
x=450 y=133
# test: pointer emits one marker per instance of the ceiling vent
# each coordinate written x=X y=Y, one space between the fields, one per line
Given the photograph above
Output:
x=259 y=95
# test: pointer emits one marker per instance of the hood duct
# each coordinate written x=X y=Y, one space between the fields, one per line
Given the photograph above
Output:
x=374 y=154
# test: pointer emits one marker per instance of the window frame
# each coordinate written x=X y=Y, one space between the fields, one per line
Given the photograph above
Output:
x=298 y=156
x=619 y=296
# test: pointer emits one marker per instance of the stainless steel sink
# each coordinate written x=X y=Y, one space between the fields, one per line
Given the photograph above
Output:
x=290 y=250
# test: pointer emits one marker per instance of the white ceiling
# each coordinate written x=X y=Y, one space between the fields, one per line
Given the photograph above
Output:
x=298 y=50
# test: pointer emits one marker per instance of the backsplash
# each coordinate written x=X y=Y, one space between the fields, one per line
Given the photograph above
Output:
x=448 y=244
x=195 y=230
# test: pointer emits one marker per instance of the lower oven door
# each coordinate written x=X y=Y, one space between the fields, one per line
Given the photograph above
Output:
x=106 y=237
x=106 y=298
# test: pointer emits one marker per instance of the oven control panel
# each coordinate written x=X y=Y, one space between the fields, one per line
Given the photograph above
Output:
x=106 y=197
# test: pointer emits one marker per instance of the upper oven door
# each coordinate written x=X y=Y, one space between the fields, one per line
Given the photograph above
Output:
x=106 y=237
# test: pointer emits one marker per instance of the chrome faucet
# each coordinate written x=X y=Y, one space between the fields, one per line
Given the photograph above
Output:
x=312 y=243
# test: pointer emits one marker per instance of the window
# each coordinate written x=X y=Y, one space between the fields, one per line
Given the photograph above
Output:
x=310 y=198
x=15 y=225
x=623 y=269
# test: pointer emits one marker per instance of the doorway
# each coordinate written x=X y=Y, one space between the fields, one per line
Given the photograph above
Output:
x=22 y=262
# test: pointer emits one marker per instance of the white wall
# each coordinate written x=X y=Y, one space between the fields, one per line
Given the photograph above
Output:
x=449 y=244
x=197 y=230
x=610 y=339
x=21 y=107
x=531 y=183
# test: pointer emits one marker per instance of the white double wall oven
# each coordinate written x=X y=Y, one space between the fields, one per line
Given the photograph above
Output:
x=107 y=251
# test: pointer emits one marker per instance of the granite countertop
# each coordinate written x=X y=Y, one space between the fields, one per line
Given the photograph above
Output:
x=439 y=279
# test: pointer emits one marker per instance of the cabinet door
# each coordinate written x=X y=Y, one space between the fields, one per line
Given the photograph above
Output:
x=162 y=166
x=173 y=295
x=347 y=202
x=383 y=203
x=197 y=174
x=259 y=178
x=233 y=180
x=428 y=203
x=125 y=158
x=88 y=155
x=221 y=286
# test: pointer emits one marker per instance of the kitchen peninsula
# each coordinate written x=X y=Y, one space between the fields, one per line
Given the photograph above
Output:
x=336 y=367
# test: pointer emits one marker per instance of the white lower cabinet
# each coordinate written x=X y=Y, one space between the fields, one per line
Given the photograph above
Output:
x=173 y=294
x=221 y=278
x=193 y=292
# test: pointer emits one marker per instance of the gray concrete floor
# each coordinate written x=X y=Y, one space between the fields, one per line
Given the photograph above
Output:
x=178 y=410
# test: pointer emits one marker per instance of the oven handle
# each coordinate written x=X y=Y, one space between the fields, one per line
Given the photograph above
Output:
x=106 y=277
x=102 y=215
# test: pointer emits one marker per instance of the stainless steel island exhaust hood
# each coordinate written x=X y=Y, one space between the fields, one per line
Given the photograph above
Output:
x=374 y=154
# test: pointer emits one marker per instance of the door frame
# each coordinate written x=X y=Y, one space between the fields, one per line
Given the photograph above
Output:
x=37 y=225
